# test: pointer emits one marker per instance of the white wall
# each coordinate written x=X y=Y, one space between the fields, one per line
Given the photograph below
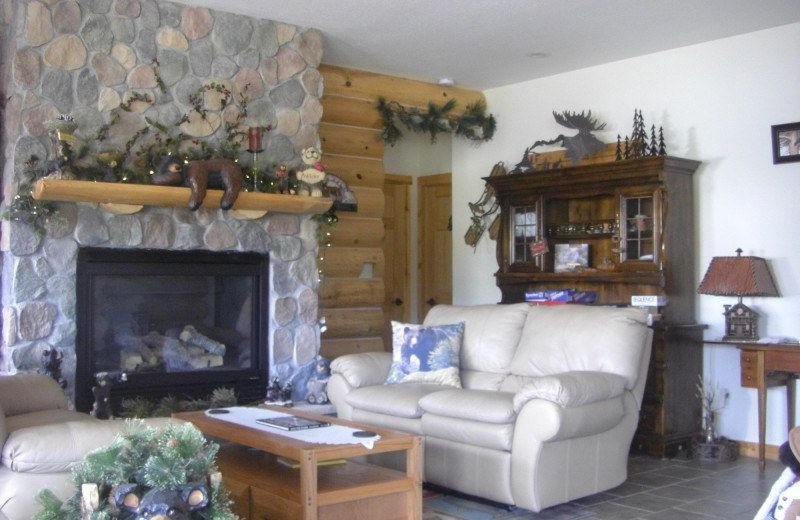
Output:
x=716 y=103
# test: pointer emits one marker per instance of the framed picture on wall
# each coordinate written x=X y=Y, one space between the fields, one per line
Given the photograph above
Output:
x=786 y=143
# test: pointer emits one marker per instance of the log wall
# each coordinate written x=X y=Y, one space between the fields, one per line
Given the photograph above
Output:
x=353 y=305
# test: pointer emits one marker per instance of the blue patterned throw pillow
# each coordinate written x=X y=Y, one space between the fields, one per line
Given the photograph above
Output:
x=426 y=354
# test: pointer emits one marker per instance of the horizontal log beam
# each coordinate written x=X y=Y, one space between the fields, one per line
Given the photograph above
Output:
x=352 y=112
x=367 y=85
x=351 y=292
x=357 y=232
x=370 y=202
x=353 y=322
x=355 y=171
x=331 y=349
x=348 y=262
x=350 y=140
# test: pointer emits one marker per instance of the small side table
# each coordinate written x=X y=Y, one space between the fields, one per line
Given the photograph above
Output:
x=765 y=365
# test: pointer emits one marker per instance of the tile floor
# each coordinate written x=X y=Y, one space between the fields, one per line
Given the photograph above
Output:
x=679 y=489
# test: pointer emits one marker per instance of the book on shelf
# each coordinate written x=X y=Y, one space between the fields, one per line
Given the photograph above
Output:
x=294 y=464
x=648 y=300
x=292 y=422
x=557 y=296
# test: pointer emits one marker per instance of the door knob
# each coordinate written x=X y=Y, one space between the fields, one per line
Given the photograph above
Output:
x=431 y=302
x=398 y=302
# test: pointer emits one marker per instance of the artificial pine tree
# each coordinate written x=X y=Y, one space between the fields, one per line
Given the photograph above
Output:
x=662 y=147
x=653 y=146
x=639 y=137
x=167 y=459
x=619 y=149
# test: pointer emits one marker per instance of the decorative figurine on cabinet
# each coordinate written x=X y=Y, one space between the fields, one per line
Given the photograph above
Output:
x=279 y=395
x=741 y=323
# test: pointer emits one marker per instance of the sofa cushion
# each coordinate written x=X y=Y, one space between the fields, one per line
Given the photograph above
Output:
x=426 y=354
x=491 y=335
x=569 y=389
x=487 y=406
x=398 y=400
x=494 y=436
x=567 y=338
x=392 y=422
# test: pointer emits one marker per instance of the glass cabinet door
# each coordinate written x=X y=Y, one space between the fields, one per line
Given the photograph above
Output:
x=524 y=228
x=637 y=229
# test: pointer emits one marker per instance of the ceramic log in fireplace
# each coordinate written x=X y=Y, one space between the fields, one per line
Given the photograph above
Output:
x=179 y=323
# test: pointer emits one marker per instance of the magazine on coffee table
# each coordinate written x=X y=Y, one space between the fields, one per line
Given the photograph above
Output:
x=292 y=422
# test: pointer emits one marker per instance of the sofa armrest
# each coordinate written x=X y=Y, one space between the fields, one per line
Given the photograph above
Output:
x=24 y=393
x=570 y=389
x=352 y=371
x=32 y=449
x=363 y=369
x=3 y=427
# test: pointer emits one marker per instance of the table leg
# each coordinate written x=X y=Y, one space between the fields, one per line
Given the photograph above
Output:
x=762 y=409
x=790 y=387
x=308 y=485
x=414 y=472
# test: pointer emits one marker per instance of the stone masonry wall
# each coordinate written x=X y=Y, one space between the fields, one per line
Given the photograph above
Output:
x=85 y=57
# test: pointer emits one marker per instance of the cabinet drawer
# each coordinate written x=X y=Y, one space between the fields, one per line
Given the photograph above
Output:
x=749 y=367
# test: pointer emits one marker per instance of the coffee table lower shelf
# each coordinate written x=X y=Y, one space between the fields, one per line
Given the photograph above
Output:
x=262 y=488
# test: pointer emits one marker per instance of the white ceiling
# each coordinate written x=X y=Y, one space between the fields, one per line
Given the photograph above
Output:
x=489 y=43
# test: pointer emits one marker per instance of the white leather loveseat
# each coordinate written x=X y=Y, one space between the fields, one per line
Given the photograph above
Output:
x=548 y=404
x=42 y=440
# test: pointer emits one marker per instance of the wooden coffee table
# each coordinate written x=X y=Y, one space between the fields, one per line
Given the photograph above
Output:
x=263 y=488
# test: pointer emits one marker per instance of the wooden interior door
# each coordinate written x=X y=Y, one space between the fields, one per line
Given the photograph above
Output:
x=396 y=252
x=435 y=242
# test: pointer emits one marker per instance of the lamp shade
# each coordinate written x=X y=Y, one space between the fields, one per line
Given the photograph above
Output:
x=738 y=276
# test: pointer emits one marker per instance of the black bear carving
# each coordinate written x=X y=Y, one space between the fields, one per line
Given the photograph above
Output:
x=137 y=503
x=218 y=174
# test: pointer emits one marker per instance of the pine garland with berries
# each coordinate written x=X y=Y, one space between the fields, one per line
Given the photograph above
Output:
x=156 y=458
x=473 y=124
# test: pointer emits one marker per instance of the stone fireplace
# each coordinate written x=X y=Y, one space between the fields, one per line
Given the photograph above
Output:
x=86 y=59
x=44 y=281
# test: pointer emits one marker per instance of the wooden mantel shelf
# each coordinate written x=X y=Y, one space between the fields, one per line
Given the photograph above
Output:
x=175 y=196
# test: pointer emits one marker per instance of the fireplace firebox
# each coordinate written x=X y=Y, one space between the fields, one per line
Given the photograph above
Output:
x=154 y=323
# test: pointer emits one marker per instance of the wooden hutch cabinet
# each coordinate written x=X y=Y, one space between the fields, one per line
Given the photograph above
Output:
x=619 y=229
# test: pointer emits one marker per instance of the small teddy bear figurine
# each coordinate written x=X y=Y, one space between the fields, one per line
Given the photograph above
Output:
x=318 y=382
x=312 y=177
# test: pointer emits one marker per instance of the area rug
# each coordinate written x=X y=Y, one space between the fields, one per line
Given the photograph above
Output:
x=437 y=506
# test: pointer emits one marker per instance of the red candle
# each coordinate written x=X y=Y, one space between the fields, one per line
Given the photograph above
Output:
x=255 y=137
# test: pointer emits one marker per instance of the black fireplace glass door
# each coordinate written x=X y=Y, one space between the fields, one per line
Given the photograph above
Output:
x=179 y=323
x=171 y=323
